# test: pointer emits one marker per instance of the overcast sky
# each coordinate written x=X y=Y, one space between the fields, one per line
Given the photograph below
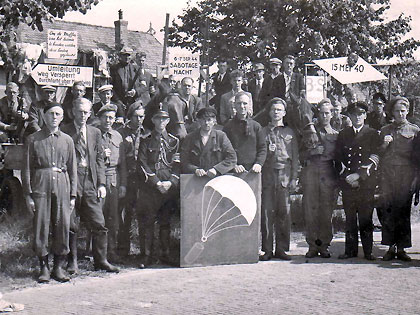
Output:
x=139 y=13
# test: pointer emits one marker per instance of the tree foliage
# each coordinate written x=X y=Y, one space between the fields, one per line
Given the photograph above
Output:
x=251 y=30
x=32 y=13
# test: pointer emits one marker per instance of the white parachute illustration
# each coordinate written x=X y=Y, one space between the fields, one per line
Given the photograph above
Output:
x=227 y=202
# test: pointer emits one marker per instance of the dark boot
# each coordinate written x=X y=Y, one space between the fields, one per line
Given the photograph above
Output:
x=148 y=258
x=72 y=267
x=112 y=248
x=58 y=271
x=99 y=249
x=44 y=275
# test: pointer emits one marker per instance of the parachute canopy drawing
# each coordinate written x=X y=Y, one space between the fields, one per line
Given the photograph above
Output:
x=222 y=189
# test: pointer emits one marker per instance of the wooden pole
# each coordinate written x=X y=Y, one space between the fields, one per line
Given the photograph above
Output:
x=165 y=40
x=207 y=61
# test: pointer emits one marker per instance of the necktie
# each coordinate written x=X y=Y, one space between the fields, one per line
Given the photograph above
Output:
x=81 y=145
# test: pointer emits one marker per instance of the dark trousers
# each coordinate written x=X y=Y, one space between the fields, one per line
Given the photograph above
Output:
x=358 y=207
x=126 y=213
x=275 y=214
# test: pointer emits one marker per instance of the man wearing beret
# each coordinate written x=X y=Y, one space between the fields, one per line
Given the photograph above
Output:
x=158 y=163
x=105 y=96
x=206 y=151
x=356 y=159
x=132 y=133
x=49 y=181
x=115 y=175
x=36 y=112
x=91 y=188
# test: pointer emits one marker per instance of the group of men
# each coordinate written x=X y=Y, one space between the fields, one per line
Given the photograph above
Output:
x=102 y=164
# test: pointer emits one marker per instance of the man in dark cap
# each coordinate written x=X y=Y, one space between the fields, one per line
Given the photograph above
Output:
x=356 y=159
x=158 y=162
x=91 y=188
x=255 y=86
x=115 y=175
x=266 y=93
x=133 y=133
x=105 y=95
x=36 y=112
x=50 y=185
x=377 y=118
x=206 y=151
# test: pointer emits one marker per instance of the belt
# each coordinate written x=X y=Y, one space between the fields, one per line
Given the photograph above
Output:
x=54 y=169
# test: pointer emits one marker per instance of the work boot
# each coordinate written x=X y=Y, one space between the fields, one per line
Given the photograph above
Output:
x=99 y=249
x=58 y=271
x=72 y=267
x=44 y=274
x=112 y=248
x=148 y=258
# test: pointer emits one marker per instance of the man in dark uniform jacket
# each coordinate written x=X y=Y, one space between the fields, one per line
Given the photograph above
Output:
x=207 y=152
x=36 y=112
x=158 y=162
x=267 y=92
x=255 y=87
x=356 y=160
x=105 y=94
x=377 y=118
x=90 y=188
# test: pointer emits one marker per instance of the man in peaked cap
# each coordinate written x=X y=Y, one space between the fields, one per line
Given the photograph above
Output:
x=255 y=86
x=50 y=184
x=158 y=162
x=36 y=112
x=115 y=175
x=356 y=160
x=105 y=95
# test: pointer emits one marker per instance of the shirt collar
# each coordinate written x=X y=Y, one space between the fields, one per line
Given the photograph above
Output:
x=356 y=130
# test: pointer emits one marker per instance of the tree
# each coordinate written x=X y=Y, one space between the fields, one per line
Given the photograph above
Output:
x=250 y=30
x=32 y=13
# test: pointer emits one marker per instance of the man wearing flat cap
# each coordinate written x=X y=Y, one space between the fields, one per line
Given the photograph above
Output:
x=49 y=180
x=206 y=151
x=255 y=86
x=36 y=112
x=115 y=175
x=133 y=133
x=158 y=164
x=122 y=76
x=105 y=95
x=356 y=160
x=267 y=87
x=91 y=188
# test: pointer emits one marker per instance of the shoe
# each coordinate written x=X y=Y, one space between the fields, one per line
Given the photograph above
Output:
x=282 y=255
x=403 y=256
x=324 y=253
x=370 y=257
x=311 y=253
x=346 y=256
x=389 y=255
x=106 y=266
x=266 y=257
x=44 y=275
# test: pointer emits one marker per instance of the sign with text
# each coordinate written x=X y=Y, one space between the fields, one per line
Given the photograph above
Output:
x=315 y=88
x=220 y=219
x=62 y=44
x=340 y=70
x=184 y=65
x=61 y=75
